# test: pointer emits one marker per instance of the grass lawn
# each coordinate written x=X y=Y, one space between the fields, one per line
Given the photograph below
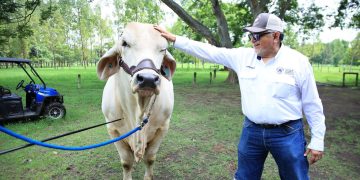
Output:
x=334 y=75
x=201 y=143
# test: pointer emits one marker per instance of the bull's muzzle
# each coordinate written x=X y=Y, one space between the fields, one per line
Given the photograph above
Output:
x=147 y=84
x=147 y=80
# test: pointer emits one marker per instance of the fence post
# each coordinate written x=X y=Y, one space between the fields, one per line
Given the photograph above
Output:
x=79 y=81
x=194 y=80
x=356 y=78
x=214 y=73
x=210 y=77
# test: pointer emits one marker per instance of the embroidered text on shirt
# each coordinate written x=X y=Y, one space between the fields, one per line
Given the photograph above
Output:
x=289 y=72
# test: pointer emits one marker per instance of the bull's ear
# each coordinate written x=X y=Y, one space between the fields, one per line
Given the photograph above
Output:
x=168 y=66
x=108 y=64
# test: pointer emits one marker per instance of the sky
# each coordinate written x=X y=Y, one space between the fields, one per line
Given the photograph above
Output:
x=327 y=35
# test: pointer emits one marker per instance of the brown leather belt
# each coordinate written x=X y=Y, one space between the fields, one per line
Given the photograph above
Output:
x=270 y=126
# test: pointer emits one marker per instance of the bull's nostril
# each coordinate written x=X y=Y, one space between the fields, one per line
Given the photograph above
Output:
x=139 y=78
x=156 y=78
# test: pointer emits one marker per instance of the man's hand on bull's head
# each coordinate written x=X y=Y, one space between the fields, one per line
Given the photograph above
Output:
x=166 y=34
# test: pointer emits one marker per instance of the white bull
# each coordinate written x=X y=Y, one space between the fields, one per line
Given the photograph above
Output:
x=128 y=95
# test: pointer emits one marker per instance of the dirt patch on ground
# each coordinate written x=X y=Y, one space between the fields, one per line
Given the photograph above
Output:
x=342 y=113
x=340 y=103
x=230 y=97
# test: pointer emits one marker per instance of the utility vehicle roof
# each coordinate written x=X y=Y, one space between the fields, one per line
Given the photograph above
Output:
x=13 y=60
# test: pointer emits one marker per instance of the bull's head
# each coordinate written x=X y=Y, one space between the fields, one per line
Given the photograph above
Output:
x=142 y=53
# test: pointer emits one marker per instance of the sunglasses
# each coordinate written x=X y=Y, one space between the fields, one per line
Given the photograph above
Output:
x=257 y=36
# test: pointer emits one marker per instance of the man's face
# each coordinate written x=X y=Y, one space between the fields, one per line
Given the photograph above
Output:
x=263 y=43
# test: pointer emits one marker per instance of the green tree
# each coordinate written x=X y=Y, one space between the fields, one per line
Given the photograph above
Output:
x=84 y=28
x=338 y=47
x=353 y=53
x=222 y=37
x=314 y=51
x=136 y=11
x=248 y=10
x=14 y=18
x=291 y=38
x=103 y=31
x=348 y=14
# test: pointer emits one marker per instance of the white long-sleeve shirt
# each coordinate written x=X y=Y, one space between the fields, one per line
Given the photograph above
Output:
x=271 y=93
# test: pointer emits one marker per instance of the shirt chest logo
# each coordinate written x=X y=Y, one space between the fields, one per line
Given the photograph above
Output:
x=281 y=70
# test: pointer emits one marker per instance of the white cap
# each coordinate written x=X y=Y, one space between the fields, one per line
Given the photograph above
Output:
x=264 y=22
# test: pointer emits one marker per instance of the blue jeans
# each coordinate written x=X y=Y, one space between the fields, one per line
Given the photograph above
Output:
x=286 y=144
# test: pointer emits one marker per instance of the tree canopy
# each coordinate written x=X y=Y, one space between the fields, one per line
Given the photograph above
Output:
x=214 y=25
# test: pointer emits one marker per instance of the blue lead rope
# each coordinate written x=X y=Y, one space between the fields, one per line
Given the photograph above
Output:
x=72 y=148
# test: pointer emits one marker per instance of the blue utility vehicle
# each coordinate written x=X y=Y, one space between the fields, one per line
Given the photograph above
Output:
x=41 y=101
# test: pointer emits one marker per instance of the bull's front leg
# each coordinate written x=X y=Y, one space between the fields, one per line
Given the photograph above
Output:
x=126 y=155
x=150 y=153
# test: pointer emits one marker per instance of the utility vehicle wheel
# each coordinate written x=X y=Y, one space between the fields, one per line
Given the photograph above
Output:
x=55 y=110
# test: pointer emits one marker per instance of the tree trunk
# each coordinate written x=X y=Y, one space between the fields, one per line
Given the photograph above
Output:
x=204 y=31
x=258 y=7
x=224 y=36
x=283 y=7
x=23 y=47
x=193 y=23
x=222 y=25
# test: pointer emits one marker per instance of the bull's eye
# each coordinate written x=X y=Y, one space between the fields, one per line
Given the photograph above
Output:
x=125 y=44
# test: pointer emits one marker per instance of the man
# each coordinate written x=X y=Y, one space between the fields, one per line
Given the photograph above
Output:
x=277 y=85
